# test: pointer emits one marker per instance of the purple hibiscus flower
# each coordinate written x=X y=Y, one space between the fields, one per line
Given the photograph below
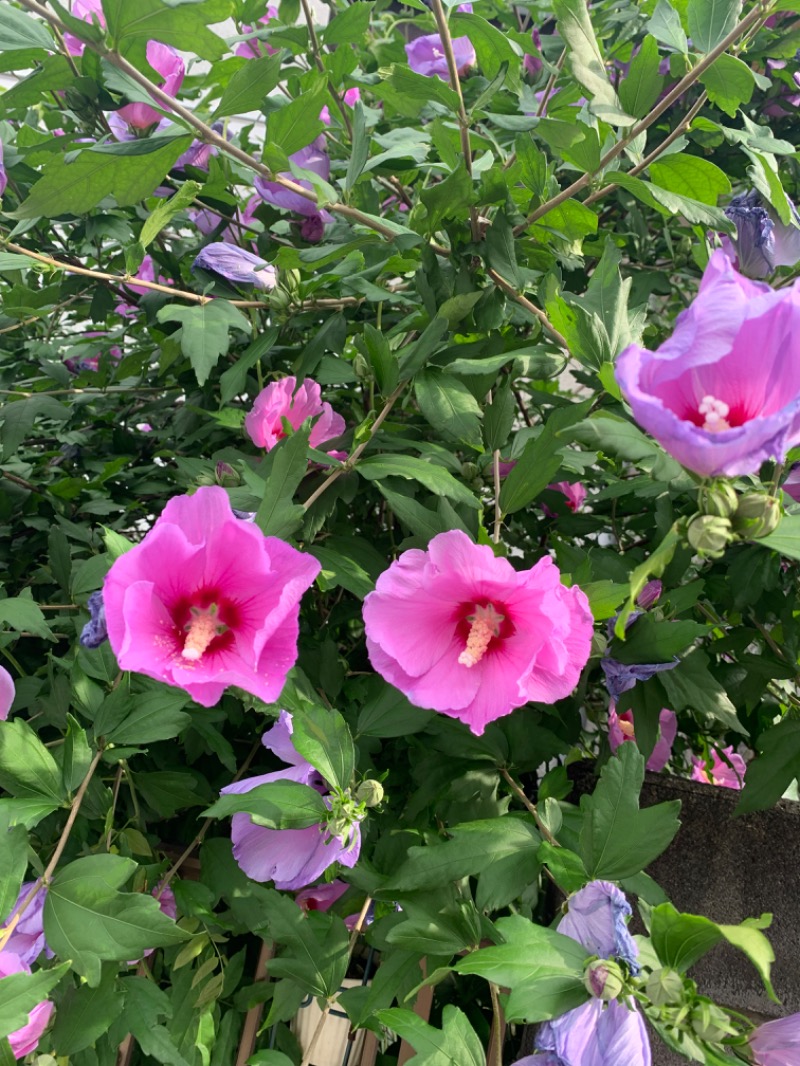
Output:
x=236 y=265
x=703 y=396
x=762 y=241
x=292 y=858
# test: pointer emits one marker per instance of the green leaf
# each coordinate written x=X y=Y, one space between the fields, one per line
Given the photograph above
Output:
x=21 y=992
x=665 y=26
x=249 y=86
x=19 y=31
x=542 y=968
x=129 y=172
x=389 y=714
x=491 y=45
x=156 y=715
x=315 y=951
x=295 y=126
x=27 y=769
x=21 y=614
x=643 y=84
x=691 y=686
x=690 y=176
x=323 y=738
x=167 y=210
x=278 y=515
x=671 y=203
x=651 y=641
x=204 y=332
x=617 y=436
x=361 y=141
x=710 y=21
x=85 y=1014
x=770 y=774
x=566 y=867
x=785 y=539
x=474 y=847
x=455 y=1044
x=540 y=459
x=729 y=83
x=415 y=356
x=348 y=25
x=182 y=24
x=410 y=91
x=585 y=57
x=87 y=920
x=764 y=175
x=13 y=862
x=449 y=198
x=275 y=804
x=449 y=407
x=435 y=478
x=617 y=838
x=77 y=755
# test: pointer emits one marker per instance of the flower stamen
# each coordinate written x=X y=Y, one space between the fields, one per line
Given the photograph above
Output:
x=716 y=413
x=484 y=626
x=200 y=631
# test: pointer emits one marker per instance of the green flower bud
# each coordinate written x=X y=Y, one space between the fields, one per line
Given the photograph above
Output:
x=717 y=498
x=227 y=476
x=757 y=515
x=280 y=301
x=710 y=1022
x=370 y=793
x=709 y=535
x=664 y=986
x=361 y=367
x=206 y=478
x=603 y=979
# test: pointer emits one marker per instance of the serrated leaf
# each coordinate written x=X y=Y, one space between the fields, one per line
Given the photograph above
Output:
x=204 y=332
x=449 y=407
x=249 y=86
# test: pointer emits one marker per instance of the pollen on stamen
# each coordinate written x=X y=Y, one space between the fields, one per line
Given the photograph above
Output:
x=484 y=626
x=202 y=629
x=716 y=413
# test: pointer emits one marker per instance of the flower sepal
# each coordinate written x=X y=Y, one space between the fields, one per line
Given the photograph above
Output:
x=757 y=516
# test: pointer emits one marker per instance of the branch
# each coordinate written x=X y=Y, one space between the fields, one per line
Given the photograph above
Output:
x=455 y=84
x=357 y=452
x=44 y=880
x=519 y=793
x=531 y=308
x=663 y=105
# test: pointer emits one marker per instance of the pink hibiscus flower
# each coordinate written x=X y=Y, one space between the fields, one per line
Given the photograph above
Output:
x=6 y=693
x=721 y=774
x=462 y=632
x=206 y=601
x=280 y=400
x=620 y=729
x=23 y=1041
x=170 y=66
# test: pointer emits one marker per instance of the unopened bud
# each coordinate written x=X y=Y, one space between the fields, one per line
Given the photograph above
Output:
x=718 y=499
x=664 y=987
x=361 y=367
x=757 y=515
x=603 y=979
x=710 y=1023
x=370 y=793
x=469 y=471
x=226 y=476
x=650 y=594
x=206 y=478
x=709 y=535
x=279 y=300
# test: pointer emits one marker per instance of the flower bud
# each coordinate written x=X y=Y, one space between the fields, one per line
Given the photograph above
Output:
x=226 y=476
x=650 y=594
x=664 y=986
x=603 y=979
x=279 y=301
x=757 y=515
x=709 y=535
x=361 y=367
x=718 y=498
x=370 y=793
x=710 y=1022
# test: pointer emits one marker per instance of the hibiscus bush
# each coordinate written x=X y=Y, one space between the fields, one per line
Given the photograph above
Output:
x=399 y=409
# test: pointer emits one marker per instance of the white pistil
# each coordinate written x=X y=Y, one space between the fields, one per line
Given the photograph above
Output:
x=202 y=629
x=716 y=413
x=485 y=625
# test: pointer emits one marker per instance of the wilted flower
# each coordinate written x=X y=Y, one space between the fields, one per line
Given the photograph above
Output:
x=7 y=693
x=314 y=158
x=460 y=631
x=762 y=241
x=312 y=228
x=621 y=677
x=721 y=774
x=95 y=631
x=280 y=400
x=168 y=63
x=23 y=1041
x=237 y=265
x=533 y=65
x=777 y=1043
x=206 y=601
x=597 y=917
x=27 y=941
x=426 y=56
x=88 y=11
x=703 y=396
x=620 y=729
x=292 y=858
x=255 y=49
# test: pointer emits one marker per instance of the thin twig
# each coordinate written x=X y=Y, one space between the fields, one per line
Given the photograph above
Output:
x=44 y=880
x=532 y=309
x=252 y=1021
x=494 y=1055
x=520 y=794
x=498 y=514
x=357 y=452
